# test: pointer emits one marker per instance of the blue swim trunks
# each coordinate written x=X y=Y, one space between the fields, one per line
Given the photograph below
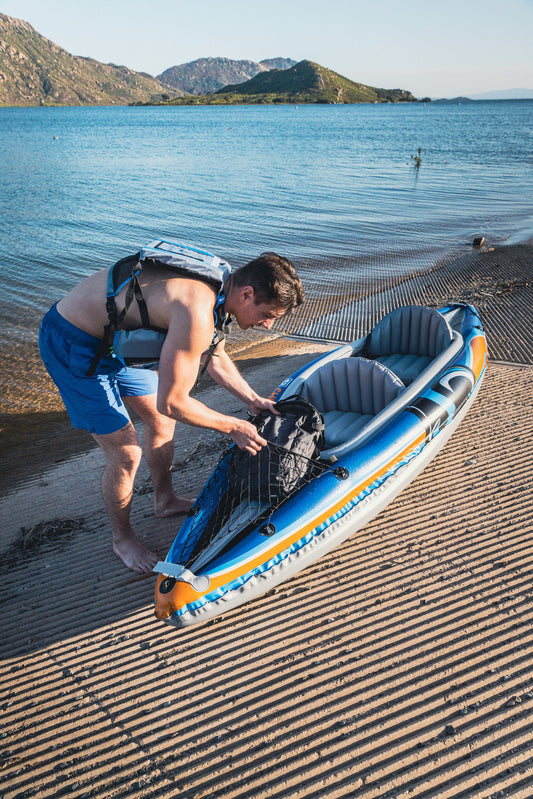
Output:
x=93 y=403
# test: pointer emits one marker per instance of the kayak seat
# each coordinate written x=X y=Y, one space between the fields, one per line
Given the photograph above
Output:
x=408 y=339
x=349 y=392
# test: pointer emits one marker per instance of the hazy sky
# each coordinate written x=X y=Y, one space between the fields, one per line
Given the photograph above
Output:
x=439 y=48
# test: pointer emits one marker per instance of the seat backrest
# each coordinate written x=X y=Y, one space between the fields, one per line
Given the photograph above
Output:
x=354 y=385
x=411 y=330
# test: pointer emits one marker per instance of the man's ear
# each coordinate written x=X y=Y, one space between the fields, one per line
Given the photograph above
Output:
x=247 y=293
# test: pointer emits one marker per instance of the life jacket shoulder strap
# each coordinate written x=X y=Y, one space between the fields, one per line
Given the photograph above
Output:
x=121 y=273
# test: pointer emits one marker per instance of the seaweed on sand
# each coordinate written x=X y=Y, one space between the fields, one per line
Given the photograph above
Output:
x=31 y=541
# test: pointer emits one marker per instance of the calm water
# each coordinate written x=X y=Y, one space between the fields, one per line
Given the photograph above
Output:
x=82 y=187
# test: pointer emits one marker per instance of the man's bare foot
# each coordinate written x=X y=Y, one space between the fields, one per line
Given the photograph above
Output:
x=132 y=553
x=170 y=506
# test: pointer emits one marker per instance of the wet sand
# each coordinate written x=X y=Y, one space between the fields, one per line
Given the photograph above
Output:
x=397 y=666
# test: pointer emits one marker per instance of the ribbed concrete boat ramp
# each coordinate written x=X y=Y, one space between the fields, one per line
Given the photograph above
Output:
x=400 y=665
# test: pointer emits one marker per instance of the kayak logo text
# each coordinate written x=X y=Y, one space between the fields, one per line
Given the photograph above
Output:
x=446 y=396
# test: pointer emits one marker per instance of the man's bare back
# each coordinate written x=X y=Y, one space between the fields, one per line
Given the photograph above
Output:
x=85 y=305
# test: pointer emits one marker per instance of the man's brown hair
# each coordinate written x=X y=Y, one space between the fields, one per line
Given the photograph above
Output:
x=273 y=279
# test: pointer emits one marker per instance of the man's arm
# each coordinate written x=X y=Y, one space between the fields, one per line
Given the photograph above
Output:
x=189 y=335
x=225 y=373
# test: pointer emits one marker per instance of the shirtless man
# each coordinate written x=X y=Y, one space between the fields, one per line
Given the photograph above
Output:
x=255 y=295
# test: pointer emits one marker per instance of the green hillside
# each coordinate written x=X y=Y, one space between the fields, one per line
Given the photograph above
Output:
x=35 y=71
x=306 y=82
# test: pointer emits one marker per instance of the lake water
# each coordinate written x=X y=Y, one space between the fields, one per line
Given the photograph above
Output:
x=324 y=185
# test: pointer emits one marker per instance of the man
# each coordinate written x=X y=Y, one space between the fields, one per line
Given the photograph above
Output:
x=255 y=295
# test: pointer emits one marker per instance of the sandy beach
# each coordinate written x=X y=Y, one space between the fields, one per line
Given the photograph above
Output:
x=400 y=665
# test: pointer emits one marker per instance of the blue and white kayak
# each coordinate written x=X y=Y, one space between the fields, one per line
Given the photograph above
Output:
x=390 y=401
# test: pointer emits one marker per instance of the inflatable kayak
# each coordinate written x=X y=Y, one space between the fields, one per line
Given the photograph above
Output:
x=389 y=401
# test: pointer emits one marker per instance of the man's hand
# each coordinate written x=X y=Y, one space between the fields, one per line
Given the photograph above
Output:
x=246 y=437
x=263 y=404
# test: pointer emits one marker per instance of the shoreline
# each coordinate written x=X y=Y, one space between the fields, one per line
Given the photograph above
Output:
x=481 y=278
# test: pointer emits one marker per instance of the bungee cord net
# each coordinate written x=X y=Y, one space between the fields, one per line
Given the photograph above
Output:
x=241 y=494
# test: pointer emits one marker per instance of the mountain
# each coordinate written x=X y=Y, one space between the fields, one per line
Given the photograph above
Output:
x=305 y=82
x=206 y=75
x=276 y=63
x=453 y=100
x=35 y=71
x=504 y=94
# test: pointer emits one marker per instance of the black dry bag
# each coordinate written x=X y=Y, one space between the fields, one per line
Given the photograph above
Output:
x=295 y=437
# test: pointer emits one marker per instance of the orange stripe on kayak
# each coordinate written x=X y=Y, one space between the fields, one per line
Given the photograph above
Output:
x=478 y=346
x=183 y=593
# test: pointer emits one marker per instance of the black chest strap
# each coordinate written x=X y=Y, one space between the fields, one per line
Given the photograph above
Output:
x=222 y=323
x=115 y=319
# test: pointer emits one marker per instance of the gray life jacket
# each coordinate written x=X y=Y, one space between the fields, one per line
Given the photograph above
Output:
x=142 y=347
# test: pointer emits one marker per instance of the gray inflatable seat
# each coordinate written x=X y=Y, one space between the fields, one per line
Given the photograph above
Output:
x=408 y=339
x=349 y=393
